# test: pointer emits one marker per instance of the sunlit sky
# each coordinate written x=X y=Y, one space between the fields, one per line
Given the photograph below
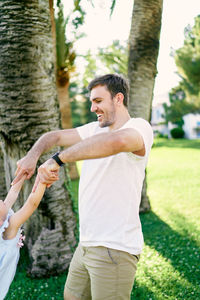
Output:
x=101 y=30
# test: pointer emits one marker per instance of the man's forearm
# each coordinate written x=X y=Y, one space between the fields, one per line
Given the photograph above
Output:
x=97 y=146
x=51 y=139
x=27 y=164
x=102 y=145
x=43 y=144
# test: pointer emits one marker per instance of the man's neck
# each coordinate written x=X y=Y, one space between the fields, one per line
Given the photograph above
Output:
x=120 y=120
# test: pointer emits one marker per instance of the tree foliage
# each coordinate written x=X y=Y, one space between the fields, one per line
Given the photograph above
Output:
x=111 y=59
x=185 y=98
x=65 y=53
x=187 y=59
x=178 y=106
x=115 y=57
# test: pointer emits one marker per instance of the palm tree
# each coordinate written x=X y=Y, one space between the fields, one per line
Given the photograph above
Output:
x=143 y=52
x=2 y=176
x=65 y=57
x=29 y=108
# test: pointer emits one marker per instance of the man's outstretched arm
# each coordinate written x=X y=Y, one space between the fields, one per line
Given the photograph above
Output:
x=105 y=144
x=27 y=164
x=98 y=146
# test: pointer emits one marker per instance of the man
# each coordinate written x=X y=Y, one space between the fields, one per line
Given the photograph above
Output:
x=115 y=150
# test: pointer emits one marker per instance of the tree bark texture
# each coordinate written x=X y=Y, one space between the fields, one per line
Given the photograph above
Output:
x=3 y=190
x=29 y=108
x=143 y=52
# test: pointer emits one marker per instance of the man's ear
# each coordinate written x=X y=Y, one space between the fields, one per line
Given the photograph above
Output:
x=119 y=98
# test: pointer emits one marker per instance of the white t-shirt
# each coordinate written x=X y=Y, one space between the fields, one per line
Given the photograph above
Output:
x=110 y=193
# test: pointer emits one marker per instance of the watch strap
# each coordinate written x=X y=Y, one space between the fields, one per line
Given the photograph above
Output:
x=57 y=159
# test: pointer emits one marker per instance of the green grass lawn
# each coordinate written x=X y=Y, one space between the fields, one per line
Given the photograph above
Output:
x=170 y=264
x=169 y=267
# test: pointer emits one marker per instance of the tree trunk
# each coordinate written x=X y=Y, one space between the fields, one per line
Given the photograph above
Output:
x=143 y=52
x=53 y=31
x=62 y=85
x=29 y=108
x=65 y=111
x=3 y=190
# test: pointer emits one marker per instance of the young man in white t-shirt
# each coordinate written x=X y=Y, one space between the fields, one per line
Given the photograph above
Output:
x=115 y=151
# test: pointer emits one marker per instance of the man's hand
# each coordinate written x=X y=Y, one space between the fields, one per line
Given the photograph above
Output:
x=47 y=173
x=25 y=166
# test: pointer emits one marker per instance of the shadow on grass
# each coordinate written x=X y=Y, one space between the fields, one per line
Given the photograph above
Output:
x=181 y=250
x=141 y=292
x=177 y=143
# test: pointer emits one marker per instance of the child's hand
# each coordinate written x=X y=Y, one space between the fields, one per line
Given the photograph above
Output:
x=47 y=173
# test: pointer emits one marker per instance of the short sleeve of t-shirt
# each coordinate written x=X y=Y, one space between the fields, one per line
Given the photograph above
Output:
x=139 y=124
x=145 y=130
x=87 y=130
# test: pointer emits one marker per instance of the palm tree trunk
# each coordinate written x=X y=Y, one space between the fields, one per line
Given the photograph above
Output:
x=66 y=119
x=53 y=30
x=143 y=52
x=62 y=86
x=3 y=190
x=29 y=108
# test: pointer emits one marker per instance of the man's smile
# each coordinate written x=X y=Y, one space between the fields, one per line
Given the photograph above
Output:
x=99 y=116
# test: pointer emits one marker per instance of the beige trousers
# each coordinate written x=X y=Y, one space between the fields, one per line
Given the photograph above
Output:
x=101 y=273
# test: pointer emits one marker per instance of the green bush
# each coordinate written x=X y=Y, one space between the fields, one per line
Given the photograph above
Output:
x=177 y=133
x=161 y=135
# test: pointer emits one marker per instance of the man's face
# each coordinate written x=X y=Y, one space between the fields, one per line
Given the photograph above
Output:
x=103 y=105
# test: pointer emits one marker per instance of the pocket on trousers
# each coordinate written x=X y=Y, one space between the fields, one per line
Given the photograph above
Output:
x=136 y=256
x=113 y=255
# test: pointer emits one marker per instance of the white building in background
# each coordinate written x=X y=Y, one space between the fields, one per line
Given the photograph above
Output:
x=157 y=120
x=192 y=126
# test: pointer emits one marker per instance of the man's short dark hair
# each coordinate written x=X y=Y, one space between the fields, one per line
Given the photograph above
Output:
x=115 y=84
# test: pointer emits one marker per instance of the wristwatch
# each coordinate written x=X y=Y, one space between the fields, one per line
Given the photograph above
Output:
x=57 y=159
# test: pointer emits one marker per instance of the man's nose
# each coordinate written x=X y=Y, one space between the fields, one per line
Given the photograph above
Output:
x=93 y=107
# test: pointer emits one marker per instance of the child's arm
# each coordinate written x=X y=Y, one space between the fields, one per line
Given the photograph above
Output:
x=18 y=218
x=14 y=192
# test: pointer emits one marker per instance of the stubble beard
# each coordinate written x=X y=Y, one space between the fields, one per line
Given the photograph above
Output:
x=105 y=124
x=109 y=118
x=108 y=122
